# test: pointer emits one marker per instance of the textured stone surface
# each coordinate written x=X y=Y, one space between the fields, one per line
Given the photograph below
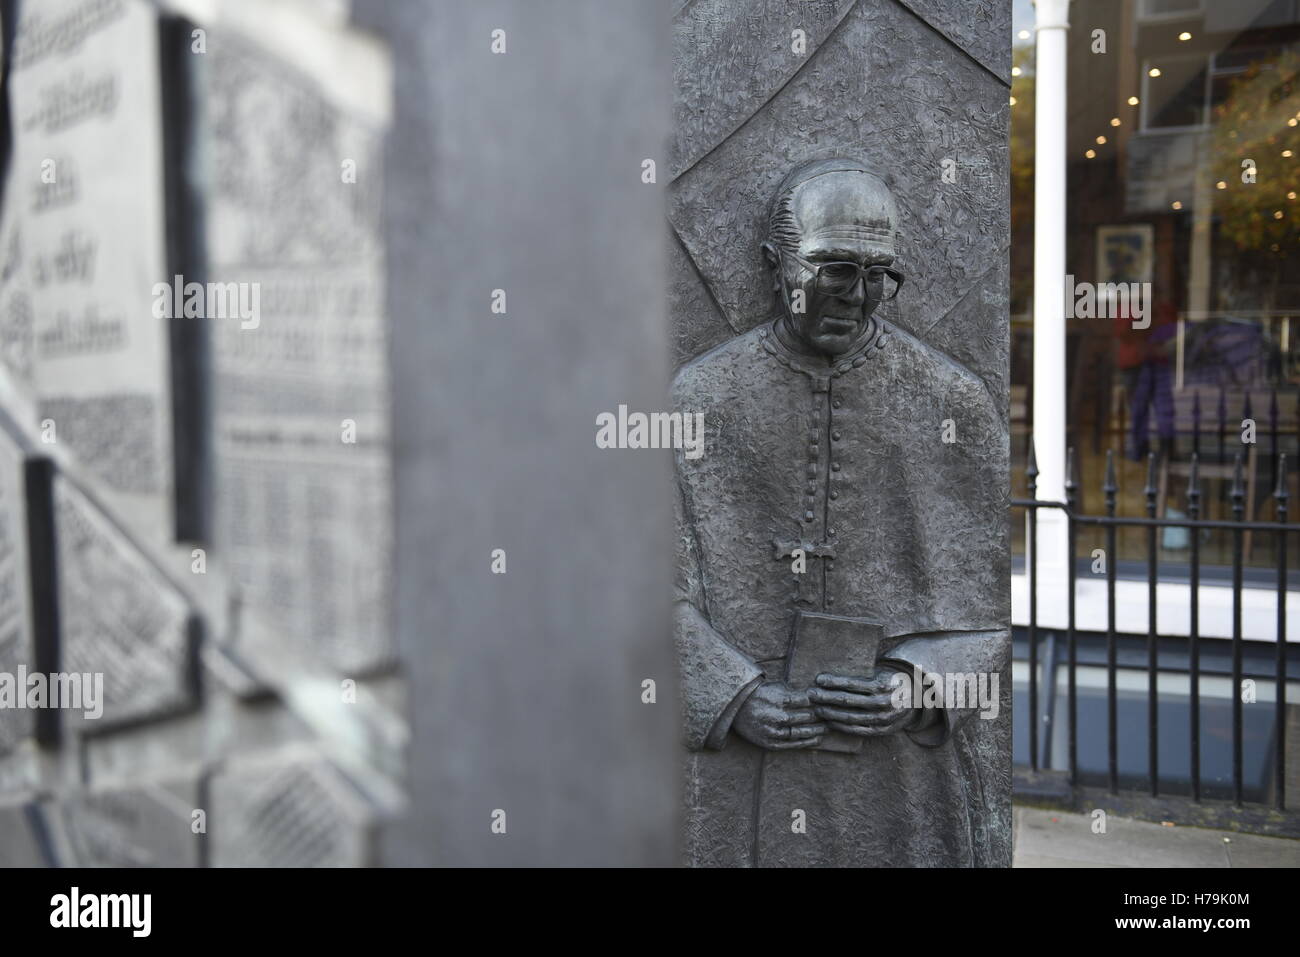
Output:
x=288 y=812
x=16 y=648
x=21 y=844
x=145 y=826
x=730 y=59
x=120 y=617
x=693 y=297
x=302 y=514
x=980 y=27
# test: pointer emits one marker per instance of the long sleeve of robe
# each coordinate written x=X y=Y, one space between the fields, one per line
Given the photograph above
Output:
x=716 y=676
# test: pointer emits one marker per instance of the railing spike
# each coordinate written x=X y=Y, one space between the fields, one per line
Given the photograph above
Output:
x=1031 y=468
x=1151 y=490
x=1223 y=424
x=1196 y=421
x=1194 y=486
x=1238 y=493
x=1108 y=486
x=1070 y=484
x=1281 y=493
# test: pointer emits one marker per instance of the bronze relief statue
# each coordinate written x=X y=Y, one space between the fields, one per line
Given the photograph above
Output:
x=843 y=539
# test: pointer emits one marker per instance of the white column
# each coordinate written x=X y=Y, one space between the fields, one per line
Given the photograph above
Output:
x=1052 y=22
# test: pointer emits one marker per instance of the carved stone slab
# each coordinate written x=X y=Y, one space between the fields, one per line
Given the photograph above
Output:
x=84 y=244
x=16 y=647
x=288 y=812
x=301 y=401
x=147 y=826
x=730 y=59
x=120 y=617
x=20 y=840
x=982 y=28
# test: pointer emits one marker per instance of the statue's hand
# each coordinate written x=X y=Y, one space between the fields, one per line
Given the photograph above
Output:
x=866 y=707
x=778 y=718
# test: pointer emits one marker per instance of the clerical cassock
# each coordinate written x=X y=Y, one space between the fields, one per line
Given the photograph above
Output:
x=886 y=467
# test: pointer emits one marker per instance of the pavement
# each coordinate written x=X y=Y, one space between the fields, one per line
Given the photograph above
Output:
x=1066 y=839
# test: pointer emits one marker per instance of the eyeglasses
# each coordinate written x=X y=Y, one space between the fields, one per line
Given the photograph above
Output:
x=841 y=278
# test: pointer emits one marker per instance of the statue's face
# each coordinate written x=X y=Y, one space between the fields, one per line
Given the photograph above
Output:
x=843 y=217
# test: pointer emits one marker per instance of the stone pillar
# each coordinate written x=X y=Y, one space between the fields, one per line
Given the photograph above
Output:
x=526 y=289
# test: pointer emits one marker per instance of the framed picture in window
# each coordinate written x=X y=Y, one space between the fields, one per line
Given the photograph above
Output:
x=1125 y=253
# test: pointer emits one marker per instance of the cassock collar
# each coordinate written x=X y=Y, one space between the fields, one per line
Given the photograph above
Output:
x=819 y=368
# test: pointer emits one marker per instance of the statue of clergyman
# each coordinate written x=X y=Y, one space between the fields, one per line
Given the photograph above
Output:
x=843 y=534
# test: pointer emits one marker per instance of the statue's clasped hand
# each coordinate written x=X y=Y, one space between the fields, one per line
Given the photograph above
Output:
x=866 y=707
x=777 y=717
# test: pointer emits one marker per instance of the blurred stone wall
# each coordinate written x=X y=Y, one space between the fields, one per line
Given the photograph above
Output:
x=195 y=505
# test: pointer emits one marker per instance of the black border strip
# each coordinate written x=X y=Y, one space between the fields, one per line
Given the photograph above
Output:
x=190 y=344
x=43 y=580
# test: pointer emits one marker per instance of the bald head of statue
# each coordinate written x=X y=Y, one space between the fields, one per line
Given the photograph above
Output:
x=831 y=243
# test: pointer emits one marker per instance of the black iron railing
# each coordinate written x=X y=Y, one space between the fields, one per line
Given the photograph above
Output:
x=1273 y=431
x=1110 y=522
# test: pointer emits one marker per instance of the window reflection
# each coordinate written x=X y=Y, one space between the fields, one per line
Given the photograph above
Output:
x=1183 y=144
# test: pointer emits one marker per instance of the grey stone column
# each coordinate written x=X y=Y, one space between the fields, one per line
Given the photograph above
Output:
x=522 y=171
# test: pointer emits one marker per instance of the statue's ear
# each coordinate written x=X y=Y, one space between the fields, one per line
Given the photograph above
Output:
x=773 y=263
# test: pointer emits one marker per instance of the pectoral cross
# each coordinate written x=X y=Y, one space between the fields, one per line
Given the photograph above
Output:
x=782 y=550
x=786 y=550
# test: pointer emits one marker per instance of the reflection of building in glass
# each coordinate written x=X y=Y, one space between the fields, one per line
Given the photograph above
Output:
x=1183 y=135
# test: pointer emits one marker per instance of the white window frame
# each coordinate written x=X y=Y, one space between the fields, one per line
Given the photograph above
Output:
x=1195 y=9
x=1205 y=94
